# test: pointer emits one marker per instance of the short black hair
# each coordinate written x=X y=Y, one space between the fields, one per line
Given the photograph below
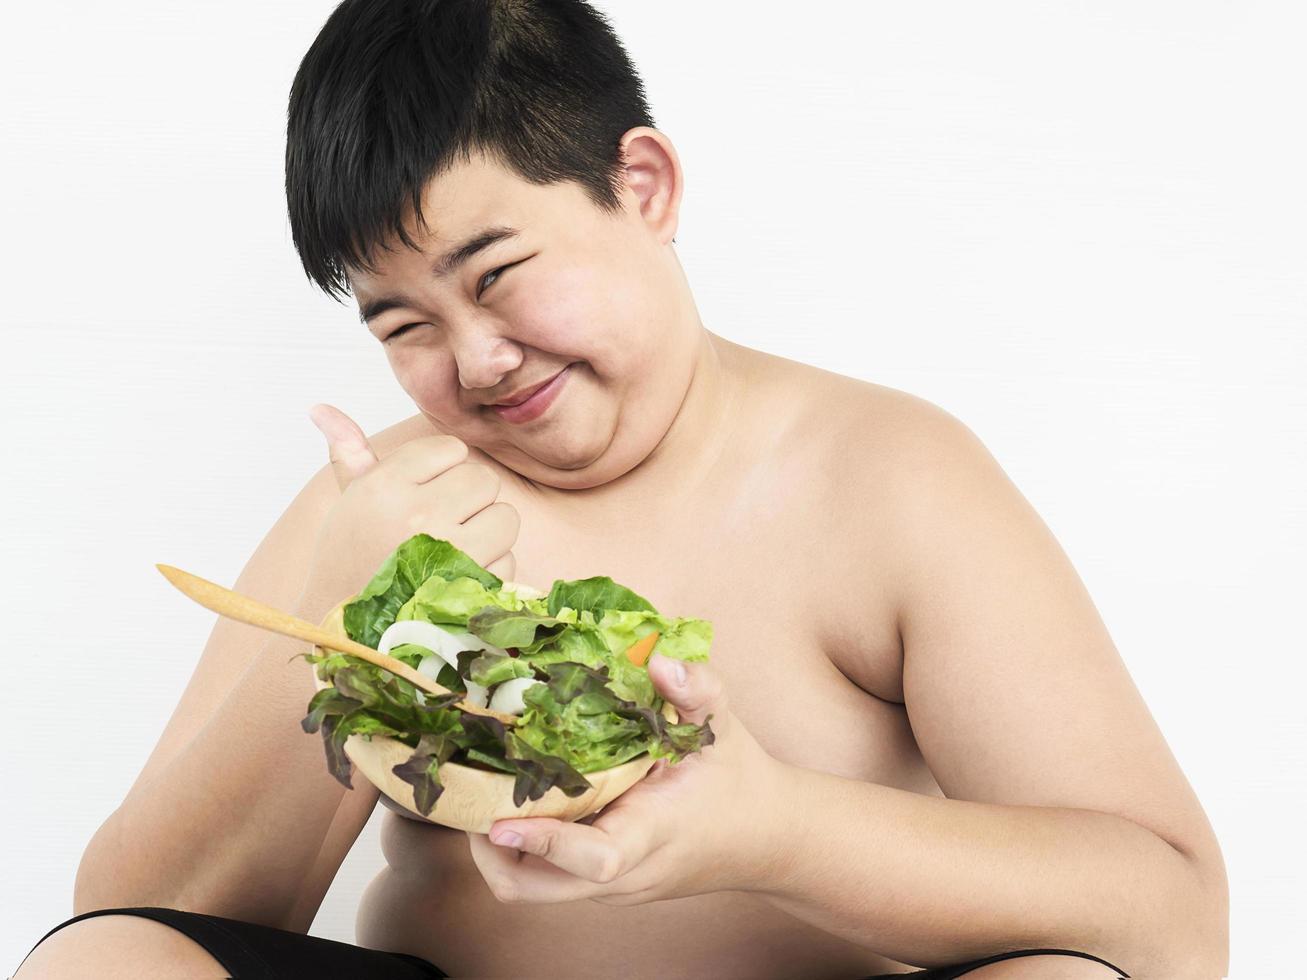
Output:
x=392 y=92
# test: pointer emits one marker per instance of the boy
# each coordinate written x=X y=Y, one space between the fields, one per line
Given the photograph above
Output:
x=931 y=754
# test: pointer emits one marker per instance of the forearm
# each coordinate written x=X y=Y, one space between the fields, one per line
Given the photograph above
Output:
x=234 y=824
x=930 y=881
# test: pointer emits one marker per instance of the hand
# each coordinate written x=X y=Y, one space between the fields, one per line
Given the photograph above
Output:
x=708 y=823
x=426 y=485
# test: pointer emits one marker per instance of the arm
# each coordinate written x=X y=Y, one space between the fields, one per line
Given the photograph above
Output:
x=932 y=881
x=1068 y=822
x=235 y=813
x=267 y=810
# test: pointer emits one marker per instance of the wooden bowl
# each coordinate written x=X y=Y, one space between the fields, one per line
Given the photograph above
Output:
x=473 y=799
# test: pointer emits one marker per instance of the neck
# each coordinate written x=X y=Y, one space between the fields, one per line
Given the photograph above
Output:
x=687 y=452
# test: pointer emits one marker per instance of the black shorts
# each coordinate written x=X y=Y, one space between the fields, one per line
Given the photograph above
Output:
x=249 y=951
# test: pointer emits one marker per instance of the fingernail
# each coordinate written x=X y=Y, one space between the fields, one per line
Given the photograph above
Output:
x=507 y=838
x=681 y=673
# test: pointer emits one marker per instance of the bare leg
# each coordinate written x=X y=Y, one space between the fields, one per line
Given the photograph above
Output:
x=119 y=947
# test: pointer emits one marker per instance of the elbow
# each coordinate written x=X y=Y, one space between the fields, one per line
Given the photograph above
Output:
x=1194 y=934
x=1210 y=933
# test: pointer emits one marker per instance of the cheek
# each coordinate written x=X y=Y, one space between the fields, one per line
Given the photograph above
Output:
x=584 y=313
x=425 y=375
x=559 y=316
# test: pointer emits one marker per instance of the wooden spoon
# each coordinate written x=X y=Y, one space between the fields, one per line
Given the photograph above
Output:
x=243 y=609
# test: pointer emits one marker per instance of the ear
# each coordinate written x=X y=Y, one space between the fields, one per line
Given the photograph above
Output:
x=654 y=179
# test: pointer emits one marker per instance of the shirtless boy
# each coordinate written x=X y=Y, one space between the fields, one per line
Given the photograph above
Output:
x=928 y=750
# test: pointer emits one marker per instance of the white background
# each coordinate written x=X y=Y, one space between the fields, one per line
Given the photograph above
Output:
x=1078 y=227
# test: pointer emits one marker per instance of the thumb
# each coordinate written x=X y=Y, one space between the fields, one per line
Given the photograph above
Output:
x=694 y=689
x=351 y=456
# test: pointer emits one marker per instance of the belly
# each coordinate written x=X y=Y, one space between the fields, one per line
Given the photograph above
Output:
x=432 y=902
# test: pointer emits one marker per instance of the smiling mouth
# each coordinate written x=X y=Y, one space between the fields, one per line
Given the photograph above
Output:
x=536 y=402
x=522 y=396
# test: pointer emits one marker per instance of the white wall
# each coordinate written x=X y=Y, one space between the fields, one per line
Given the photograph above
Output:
x=1080 y=228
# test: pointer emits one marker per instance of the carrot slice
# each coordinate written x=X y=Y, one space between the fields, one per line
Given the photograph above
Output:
x=640 y=651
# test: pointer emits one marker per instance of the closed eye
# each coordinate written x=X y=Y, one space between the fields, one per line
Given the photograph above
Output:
x=486 y=281
x=395 y=333
x=491 y=277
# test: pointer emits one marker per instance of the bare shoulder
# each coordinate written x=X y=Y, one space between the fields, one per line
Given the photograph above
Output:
x=896 y=435
x=917 y=481
x=842 y=413
x=872 y=448
x=880 y=465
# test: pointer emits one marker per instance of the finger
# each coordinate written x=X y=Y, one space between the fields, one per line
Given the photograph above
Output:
x=424 y=459
x=462 y=492
x=694 y=689
x=505 y=567
x=351 y=455
x=492 y=532
x=516 y=877
x=596 y=852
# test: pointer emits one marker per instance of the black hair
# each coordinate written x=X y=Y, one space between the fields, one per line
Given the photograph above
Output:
x=393 y=92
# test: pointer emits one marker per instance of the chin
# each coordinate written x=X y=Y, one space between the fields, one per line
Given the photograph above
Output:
x=567 y=450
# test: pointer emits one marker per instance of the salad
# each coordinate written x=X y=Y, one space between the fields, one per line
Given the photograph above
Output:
x=570 y=665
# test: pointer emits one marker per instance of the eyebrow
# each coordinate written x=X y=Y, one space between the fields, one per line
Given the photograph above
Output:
x=442 y=269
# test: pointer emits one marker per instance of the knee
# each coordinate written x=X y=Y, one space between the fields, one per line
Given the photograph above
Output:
x=118 y=946
x=1043 y=967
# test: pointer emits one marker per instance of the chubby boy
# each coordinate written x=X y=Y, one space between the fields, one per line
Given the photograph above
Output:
x=928 y=752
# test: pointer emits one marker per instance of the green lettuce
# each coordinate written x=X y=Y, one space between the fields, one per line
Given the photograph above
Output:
x=591 y=710
x=492 y=668
x=409 y=566
x=453 y=601
x=411 y=653
x=520 y=628
x=577 y=716
x=595 y=595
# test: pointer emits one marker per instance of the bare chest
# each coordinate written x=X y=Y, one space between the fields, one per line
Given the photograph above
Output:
x=745 y=559
x=759 y=559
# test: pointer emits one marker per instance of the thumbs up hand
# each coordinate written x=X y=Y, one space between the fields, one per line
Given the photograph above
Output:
x=426 y=485
x=347 y=446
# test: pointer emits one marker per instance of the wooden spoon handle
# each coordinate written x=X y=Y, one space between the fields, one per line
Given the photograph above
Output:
x=243 y=609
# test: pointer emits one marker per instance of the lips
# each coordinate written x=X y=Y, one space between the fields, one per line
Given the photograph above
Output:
x=525 y=393
x=537 y=404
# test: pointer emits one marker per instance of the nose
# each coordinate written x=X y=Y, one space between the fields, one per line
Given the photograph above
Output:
x=483 y=357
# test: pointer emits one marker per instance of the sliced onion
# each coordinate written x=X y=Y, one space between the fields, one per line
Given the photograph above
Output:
x=508 y=695
x=429 y=666
x=444 y=644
